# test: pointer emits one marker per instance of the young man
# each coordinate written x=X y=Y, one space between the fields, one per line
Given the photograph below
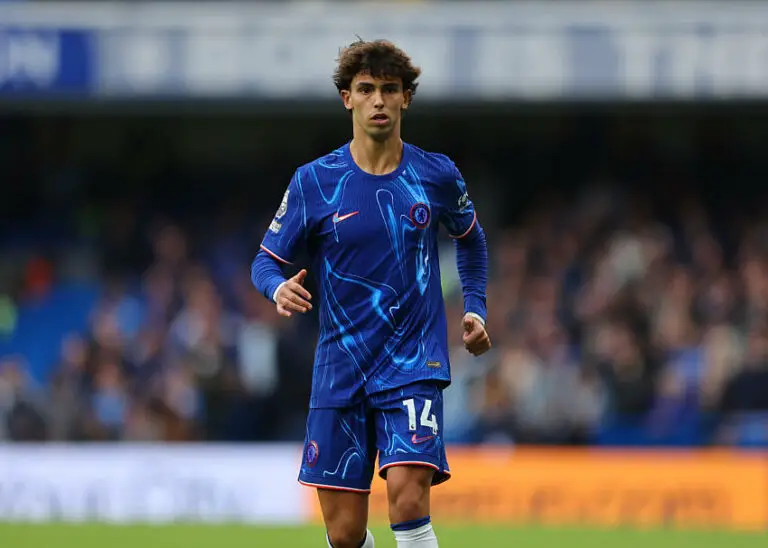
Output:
x=369 y=214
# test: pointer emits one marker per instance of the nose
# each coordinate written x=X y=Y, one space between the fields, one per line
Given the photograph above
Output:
x=378 y=98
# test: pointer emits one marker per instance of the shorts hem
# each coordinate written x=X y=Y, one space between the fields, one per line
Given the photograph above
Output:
x=331 y=487
x=441 y=474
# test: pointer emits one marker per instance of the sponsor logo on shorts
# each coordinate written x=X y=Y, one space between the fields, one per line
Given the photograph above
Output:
x=435 y=365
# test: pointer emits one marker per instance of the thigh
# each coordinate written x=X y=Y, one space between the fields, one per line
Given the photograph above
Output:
x=339 y=449
x=409 y=424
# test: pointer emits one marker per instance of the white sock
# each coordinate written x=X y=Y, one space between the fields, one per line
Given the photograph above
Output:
x=421 y=537
x=368 y=543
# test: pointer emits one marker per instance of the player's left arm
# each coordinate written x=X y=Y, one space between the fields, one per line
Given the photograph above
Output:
x=460 y=218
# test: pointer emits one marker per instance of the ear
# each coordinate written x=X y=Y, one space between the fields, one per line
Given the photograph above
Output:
x=408 y=96
x=346 y=97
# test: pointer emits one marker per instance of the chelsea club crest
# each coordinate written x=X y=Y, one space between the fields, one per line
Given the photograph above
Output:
x=420 y=215
x=312 y=451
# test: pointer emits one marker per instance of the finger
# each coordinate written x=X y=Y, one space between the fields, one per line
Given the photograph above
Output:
x=470 y=341
x=480 y=346
x=297 y=298
x=283 y=312
x=478 y=350
x=485 y=345
x=297 y=288
x=473 y=336
x=290 y=307
x=295 y=303
x=300 y=277
x=468 y=324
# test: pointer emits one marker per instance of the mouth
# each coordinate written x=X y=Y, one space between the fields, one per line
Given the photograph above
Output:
x=380 y=118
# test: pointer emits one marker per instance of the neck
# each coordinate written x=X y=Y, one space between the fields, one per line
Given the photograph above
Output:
x=377 y=157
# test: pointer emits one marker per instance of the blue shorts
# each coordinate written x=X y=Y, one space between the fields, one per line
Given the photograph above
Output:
x=401 y=426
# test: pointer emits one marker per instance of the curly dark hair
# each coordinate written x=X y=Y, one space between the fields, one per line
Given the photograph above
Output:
x=380 y=59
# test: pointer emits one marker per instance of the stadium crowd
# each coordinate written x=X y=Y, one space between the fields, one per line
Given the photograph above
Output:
x=614 y=322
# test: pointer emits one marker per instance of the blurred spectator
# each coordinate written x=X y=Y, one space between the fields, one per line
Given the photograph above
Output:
x=22 y=415
x=69 y=391
x=619 y=316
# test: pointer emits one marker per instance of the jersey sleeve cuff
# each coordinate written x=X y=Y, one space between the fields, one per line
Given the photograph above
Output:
x=476 y=307
x=277 y=290
x=477 y=316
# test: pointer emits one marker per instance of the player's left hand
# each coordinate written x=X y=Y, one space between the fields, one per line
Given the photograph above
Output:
x=476 y=339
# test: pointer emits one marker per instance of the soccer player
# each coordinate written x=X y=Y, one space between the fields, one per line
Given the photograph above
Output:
x=368 y=215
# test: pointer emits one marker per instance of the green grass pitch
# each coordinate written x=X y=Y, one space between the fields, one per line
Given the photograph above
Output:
x=200 y=536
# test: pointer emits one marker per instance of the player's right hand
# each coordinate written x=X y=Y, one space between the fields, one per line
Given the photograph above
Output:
x=292 y=297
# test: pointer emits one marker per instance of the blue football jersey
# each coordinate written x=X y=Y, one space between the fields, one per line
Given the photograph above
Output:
x=373 y=243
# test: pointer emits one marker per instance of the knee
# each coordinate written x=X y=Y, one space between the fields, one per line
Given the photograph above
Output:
x=346 y=533
x=409 y=502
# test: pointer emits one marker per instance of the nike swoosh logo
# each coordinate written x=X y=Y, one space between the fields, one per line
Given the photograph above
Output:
x=416 y=440
x=338 y=219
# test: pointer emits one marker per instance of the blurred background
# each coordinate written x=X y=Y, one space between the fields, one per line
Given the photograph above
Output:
x=615 y=152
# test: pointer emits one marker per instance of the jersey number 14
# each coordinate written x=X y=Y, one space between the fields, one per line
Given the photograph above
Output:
x=430 y=421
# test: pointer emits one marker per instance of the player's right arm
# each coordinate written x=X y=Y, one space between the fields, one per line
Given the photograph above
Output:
x=285 y=237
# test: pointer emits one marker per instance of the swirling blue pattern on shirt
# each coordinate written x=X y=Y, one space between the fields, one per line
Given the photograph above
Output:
x=373 y=240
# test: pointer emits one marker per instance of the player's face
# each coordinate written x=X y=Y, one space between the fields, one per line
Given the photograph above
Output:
x=376 y=104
